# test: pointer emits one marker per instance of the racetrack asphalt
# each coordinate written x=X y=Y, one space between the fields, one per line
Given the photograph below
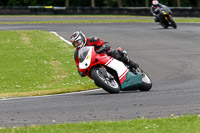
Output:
x=171 y=57
x=62 y=18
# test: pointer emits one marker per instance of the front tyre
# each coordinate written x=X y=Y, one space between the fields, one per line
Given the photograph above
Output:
x=146 y=82
x=164 y=24
x=106 y=81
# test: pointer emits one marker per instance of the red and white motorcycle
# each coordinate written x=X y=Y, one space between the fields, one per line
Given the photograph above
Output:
x=110 y=74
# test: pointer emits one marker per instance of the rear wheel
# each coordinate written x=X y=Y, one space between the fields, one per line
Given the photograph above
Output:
x=105 y=80
x=146 y=82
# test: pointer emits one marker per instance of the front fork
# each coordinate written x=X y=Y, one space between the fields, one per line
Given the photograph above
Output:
x=105 y=73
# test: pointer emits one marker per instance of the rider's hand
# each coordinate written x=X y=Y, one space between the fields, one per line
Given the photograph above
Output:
x=81 y=74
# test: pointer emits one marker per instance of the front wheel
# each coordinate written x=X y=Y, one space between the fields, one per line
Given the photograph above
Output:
x=105 y=80
x=173 y=23
x=164 y=24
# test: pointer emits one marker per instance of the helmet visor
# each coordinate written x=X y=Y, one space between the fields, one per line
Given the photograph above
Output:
x=77 y=43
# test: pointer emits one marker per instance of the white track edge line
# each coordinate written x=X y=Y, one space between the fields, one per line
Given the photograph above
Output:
x=31 y=97
x=61 y=37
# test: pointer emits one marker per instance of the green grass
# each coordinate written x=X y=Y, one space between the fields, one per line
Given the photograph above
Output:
x=183 y=124
x=194 y=20
x=37 y=63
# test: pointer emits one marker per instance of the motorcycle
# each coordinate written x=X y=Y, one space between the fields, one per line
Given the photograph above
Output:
x=165 y=18
x=110 y=74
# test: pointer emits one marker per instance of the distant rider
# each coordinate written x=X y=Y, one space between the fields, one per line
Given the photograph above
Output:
x=79 y=40
x=155 y=9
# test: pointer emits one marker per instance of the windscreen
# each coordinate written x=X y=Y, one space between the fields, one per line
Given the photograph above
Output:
x=83 y=53
x=166 y=9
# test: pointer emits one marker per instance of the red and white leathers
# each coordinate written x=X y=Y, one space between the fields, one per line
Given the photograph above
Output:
x=101 y=46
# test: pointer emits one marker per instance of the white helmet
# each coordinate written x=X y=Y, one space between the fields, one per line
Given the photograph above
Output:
x=155 y=3
x=78 y=39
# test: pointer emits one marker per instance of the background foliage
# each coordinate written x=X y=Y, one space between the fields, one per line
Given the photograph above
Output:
x=98 y=3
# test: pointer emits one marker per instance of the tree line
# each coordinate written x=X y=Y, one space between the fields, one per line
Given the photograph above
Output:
x=99 y=3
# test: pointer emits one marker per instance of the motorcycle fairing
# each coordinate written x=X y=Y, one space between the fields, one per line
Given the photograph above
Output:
x=119 y=67
x=132 y=82
x=86 y=62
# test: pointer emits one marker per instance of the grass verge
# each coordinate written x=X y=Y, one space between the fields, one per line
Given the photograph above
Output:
x=37 y=63
x=194 y=20
x=183 y=124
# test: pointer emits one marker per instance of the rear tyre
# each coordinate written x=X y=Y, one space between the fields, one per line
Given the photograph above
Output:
x=107 y=83
x=146 y=82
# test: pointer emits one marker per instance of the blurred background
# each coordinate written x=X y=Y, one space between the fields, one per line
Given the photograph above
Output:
x=180 y=8
x=99 y=3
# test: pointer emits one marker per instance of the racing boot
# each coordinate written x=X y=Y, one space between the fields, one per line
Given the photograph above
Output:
x=156 y=19
x=132 y=64
x=122 y=56
x=129 y=62
x=133 y=67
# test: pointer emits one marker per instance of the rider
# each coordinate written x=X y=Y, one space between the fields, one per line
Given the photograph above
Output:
x=79 y=40
x=155 y=9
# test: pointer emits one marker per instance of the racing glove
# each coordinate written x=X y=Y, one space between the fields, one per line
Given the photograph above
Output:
x=81 y=74
x=103 y=48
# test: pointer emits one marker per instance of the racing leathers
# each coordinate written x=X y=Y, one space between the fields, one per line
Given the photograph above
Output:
x=101 y=46
x=155 y=10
